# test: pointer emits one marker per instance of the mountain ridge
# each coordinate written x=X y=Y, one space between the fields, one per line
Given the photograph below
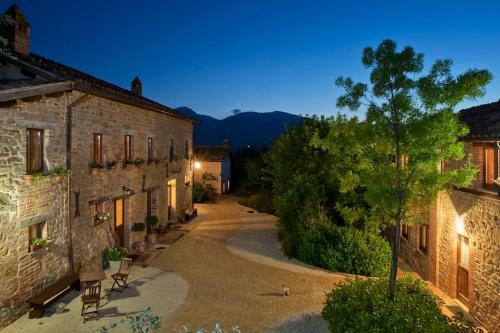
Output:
x=243 y=129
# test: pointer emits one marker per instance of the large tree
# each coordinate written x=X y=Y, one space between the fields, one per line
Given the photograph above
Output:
x=410 y=129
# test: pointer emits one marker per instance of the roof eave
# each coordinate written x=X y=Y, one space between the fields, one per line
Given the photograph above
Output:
x=36 y=90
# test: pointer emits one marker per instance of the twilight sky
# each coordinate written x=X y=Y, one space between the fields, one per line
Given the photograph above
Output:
x=216 y=56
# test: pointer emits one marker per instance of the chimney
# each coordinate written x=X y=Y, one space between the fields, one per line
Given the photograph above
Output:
x=226 y=142
x=136 y=86
x=18 y=31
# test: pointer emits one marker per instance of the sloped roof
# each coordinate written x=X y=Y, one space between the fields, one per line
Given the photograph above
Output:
x=210 y=153
x=45 y=70
x=483 y=121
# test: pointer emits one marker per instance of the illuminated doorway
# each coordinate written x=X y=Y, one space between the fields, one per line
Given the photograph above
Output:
x=119 y=221
x=463 y=269
x=172 y=199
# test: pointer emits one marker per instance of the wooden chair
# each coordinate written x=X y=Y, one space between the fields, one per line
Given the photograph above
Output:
x=91 y=297
x=121 y=277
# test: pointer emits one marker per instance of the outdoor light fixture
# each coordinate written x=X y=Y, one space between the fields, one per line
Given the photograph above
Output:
x=127 y=189
x=197 y=165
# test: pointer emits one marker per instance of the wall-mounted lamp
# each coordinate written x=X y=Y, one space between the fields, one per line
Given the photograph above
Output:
x=197 y=165
x=127 y=190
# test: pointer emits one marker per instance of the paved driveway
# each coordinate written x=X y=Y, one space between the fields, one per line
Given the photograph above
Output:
x=234 y=268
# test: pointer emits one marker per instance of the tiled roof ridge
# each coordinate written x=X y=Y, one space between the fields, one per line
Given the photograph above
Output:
x=95 y=84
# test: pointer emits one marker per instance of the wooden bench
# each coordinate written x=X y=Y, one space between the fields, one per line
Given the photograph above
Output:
x=190 y=214
x=48 y=296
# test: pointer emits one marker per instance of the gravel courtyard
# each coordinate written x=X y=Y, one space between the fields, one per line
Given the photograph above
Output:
x=228 y=269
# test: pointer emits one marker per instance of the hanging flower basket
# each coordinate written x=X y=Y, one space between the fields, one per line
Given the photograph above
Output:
x=101 y=218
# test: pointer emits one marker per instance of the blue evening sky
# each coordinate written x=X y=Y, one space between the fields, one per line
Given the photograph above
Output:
x=216 y=56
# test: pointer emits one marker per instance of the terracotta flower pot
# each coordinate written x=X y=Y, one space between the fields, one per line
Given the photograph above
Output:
x=94 y=172
x=27 y=179
x=140 y=247
x=34 y=248
x=151 y=238
x=57 y=179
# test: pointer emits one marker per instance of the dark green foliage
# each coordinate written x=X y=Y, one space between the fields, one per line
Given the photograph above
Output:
x=151 y=220
x=410 y=117
x=261 y=201
x=198 y=192
x=116 y=253
x=362 y=306
x=307 y=177
x=203 y=192
x=343 y=249
x=138 y=227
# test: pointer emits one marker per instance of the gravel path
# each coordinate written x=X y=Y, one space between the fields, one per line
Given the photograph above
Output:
x=241 y=286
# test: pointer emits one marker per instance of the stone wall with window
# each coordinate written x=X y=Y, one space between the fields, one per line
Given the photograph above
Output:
x=32 y=139
x=477 y=218
x=141 y=151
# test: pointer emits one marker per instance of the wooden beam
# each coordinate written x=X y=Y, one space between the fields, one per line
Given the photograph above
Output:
x=42 y=89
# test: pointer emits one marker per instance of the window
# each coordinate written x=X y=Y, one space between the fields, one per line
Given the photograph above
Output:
x=34 y=150
x=128 y=147
x=423 y=238
x=98 y=148
x=37 y=231
x=186 y=150
x=150 y=149
x=171 y=150
x=404 y=230
x=490 y=166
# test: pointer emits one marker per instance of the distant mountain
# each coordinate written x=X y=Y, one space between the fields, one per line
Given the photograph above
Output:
x=242 y=129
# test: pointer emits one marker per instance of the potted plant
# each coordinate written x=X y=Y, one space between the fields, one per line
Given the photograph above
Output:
x=139 y=227
x=39 y=243
x=37 y=177
x=110 y=164
x=58 y=173
x=94 y=168
x=101 y=218
x=27 y=179
x=152 y=221
x=114 y=255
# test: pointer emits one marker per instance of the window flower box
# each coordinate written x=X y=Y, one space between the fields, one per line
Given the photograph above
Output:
x=95 y=168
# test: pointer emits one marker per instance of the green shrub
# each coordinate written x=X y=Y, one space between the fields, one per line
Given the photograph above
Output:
x=116 y=253
x=362 y=306
x=151 y=220
x=138 y=227
x=198 y=192
x=262 y=202
x=342 y=249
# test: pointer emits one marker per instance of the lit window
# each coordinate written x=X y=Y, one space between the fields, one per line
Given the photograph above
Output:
x=98 y=148
x=423 y=238
x=34 y=150
x=37 y=231
x=150 y=149
x=128 y=147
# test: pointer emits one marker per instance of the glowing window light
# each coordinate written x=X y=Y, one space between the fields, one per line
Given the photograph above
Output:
x=197 y=165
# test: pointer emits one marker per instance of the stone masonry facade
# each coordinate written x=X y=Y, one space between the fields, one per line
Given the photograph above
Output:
x=115 y=120
x=473 y=213
x=24 y=273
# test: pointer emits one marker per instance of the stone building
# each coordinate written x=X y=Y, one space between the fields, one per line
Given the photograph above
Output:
x=459 y=249
x=214 y=160
x=130 y=158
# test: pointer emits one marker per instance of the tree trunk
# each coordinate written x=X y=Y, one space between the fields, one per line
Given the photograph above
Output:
x=394 y=261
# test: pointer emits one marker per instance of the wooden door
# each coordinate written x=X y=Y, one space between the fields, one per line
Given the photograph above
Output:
x=463 y=269
x=489 y=166
x=171 y=199
x=119 y=221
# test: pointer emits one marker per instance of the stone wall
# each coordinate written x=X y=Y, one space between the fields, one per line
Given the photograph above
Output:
x=23 y=274
x=115 y=120
x=478 y=218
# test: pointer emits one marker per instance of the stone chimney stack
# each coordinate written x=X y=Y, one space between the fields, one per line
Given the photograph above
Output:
x=18 y=31
x=136 y=86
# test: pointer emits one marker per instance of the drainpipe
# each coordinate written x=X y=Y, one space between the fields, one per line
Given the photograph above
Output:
x=68 y=167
